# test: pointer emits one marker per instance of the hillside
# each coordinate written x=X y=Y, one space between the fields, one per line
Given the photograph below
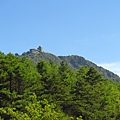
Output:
x=74 y=61
x=77 y=61
x=51 y=92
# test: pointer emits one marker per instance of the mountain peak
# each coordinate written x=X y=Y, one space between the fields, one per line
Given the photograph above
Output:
x=74 y=61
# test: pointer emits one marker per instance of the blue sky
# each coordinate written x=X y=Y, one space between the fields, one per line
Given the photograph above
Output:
x=88 y=28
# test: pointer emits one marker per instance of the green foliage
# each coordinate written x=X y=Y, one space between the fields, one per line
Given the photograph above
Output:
x=35 y=110
x=92 y=98
x=16 y=75
x=51 y=92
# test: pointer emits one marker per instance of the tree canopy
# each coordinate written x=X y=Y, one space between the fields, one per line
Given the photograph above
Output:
x=47 y=91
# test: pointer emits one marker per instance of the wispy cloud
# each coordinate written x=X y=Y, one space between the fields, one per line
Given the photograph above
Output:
x=114 y=67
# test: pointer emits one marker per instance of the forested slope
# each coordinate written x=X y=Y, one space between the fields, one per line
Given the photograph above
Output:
x=46 y=91
x=74 y=62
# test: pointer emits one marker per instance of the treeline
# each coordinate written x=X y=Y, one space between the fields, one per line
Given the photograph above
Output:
x=51 y=92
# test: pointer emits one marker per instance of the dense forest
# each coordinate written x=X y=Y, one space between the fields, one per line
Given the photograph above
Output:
x=47 y=91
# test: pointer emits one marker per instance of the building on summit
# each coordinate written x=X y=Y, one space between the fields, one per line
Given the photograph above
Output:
x=33 y=50
x=38 y=50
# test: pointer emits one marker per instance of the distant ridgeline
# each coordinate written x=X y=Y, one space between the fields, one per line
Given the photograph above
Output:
x=73 y=61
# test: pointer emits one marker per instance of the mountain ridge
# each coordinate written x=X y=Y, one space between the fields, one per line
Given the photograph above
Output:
x=73 y=61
